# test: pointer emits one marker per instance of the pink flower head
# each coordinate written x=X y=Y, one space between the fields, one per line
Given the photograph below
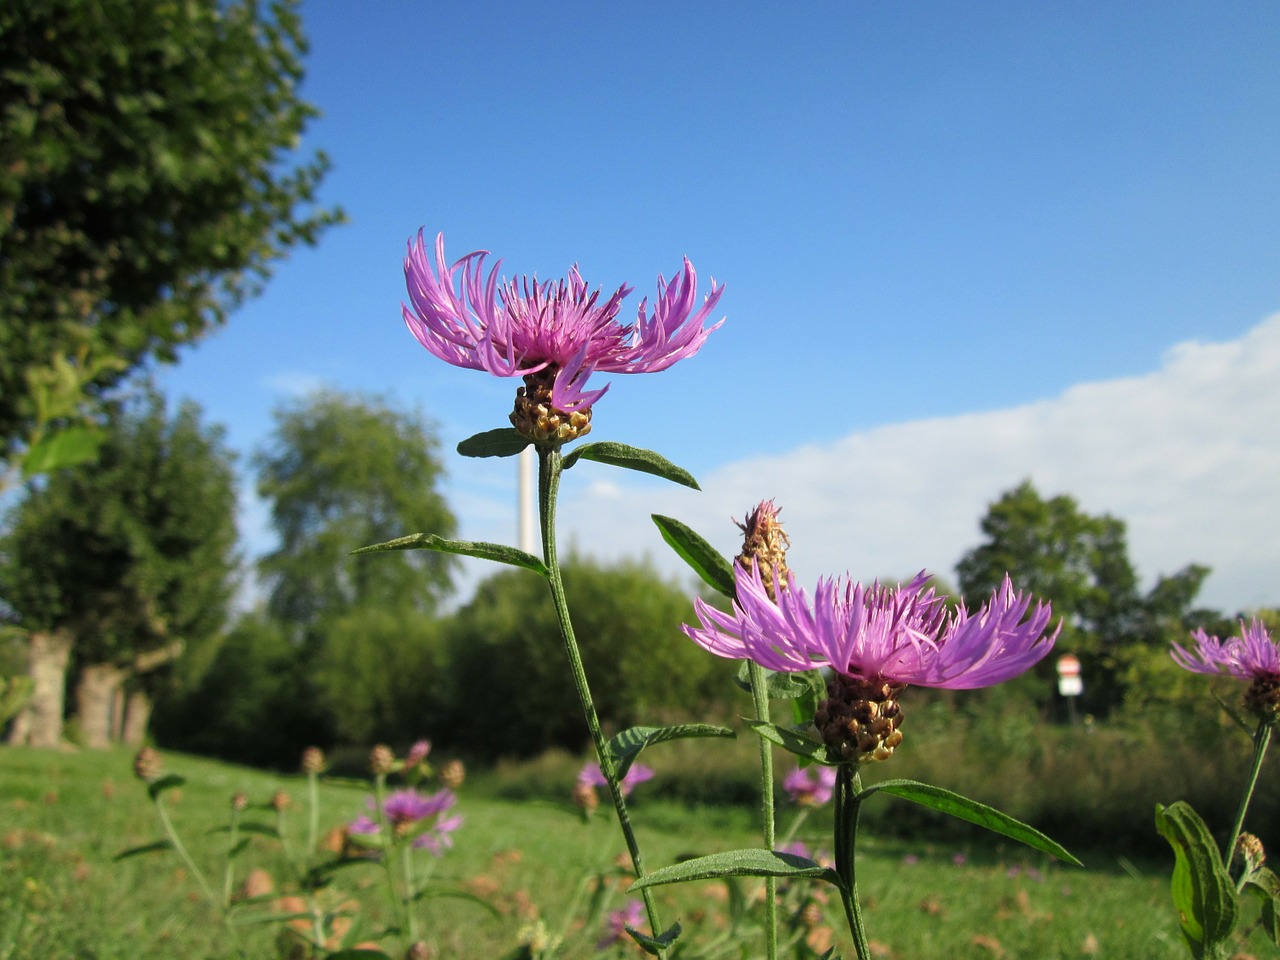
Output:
x=616 y=923
x=897 y=635
x=405 y=810
x=812 y=787
x=520 y=327
x=417 y=753
x=1251 y=656
x=590 y=776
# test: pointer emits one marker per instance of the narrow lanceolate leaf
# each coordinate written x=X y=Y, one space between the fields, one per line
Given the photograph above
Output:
x=467 y=548
x=1265 y=886
x=359 y=953
x=1203 y=893
x=654 y=945
x=698 y=554
x=632 y=458
x=504 y=442
x=438 y=892
x=145 y=848
x=739 y=863
x=626 y=746
x=962 y=808
x=794 y=742
x=168 y=782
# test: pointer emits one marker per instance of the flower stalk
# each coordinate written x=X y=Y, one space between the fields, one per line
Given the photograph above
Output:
x=1261 y=740
x=549 y=469
x=760 y=698
x=848 y=785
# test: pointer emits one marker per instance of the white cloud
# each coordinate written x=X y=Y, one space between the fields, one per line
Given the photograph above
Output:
x=1187 y=455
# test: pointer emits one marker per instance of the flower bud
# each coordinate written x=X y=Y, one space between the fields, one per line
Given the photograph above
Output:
x=417 y=753
x=239 y=802
x=147 y=765
x=452 y=774
x=381 y=760
x=312 y=760
x=584 y=797
x=280 y=801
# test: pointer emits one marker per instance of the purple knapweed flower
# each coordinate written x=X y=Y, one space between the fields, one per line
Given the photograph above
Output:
x=901 y=635
x=811 y=787
x=522 y=327
x=591 y=776
x=417 y=753
x=1249 y=656
x=1252 y=656
x=617 y=921
x=406 y=811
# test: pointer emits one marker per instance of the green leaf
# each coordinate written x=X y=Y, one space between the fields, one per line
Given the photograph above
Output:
x=1203 y=893
x=255 y=919
x=655 y=945
x=168 y=782
x=359 y=954
x=705 y=560
x=962 y=808
x=66 y=448
x=1265 y=886
x=626 y=746
x=466 y=548
x=146 y=848
x=632 y=458
x=503 y=442
x=739 y=863
x=435 y=891
x=795 y=742
x=786 y=686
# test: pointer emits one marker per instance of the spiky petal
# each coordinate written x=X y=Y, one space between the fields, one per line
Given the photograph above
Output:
x=877 y=633
x=518 y=327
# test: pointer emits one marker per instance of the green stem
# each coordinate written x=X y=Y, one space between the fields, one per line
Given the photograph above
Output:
x=846 y=841
x=760 y=698
x=313 y=820
x=406 y=867
x=388 y=852
x=228 y=876
x=181 y=850
x=548 y=489
x=1261 y=738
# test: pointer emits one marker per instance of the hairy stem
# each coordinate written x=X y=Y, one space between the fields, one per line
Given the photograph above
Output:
x=760 y=698
x=1261 y=739
x=846 y=842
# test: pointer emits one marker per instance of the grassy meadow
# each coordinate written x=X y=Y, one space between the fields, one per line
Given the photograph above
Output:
x=65 y=816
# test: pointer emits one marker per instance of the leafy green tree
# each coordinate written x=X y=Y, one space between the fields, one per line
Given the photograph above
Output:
x=254 y=704
x=148 y=181
x=341 y=472
x=122 y=565
x=1080 y=563
x=512 y=692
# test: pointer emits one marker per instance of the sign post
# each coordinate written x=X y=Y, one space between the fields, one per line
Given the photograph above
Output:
x=1069 y=683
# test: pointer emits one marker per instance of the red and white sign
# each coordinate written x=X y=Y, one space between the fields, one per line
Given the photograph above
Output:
x=1069 y=682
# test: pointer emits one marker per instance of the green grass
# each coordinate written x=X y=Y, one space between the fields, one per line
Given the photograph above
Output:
x=65 y=816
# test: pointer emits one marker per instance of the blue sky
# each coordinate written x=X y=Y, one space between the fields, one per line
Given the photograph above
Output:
x=924 y=213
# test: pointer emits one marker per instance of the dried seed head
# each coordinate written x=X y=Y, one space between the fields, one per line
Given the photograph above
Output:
x=239 y=802
x=860 y=718
x=280 y=801
x=312 y=760
x=418 y=951
x=764 y=544
x=381 y=760
x=147 y=765
x=534 y=416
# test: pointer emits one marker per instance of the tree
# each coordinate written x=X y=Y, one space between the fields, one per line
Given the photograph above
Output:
x=121 y=566
x=512 y=693
x=147 y=183
x=1080 y=563
x=342 y=472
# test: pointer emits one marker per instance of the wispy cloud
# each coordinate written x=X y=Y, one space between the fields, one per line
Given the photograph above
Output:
x=1187 y=455
x=294 y=383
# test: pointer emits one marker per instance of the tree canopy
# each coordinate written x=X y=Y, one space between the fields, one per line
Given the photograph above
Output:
x=148 y=181
x=341 y=472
